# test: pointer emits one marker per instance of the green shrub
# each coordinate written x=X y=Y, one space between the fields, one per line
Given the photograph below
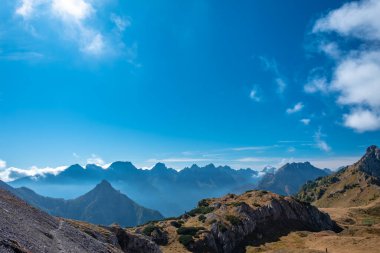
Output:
x=203 y=203
x=201 y=210
x=235 y=204
x=233 y=220
x=188 y=230
x=175 y=224
x=202 y=218
x=185 y=240
x=148 y=229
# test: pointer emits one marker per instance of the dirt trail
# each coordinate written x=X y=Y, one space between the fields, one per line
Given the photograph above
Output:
x=57 y=243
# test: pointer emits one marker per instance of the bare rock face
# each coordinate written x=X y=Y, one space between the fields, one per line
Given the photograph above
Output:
x=370 y=162
x=129 y=242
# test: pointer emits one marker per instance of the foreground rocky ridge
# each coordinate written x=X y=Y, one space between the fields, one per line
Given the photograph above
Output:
x=230 y=223
x=25 y=229
x=355 y=185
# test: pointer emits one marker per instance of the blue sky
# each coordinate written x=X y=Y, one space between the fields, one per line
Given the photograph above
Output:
x=248 y=84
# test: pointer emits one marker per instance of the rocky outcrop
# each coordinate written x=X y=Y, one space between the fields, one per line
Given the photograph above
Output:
x=278 y=217
x=230 y=223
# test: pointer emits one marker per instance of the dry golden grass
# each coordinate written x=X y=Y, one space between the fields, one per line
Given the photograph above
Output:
x=361 y=234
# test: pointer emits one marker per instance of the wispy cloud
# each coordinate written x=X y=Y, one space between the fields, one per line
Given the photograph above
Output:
x=21 y=56
x=254 y=95
x=296 y=108
x=271 y=65
x=3 y=164
x=121 y=23
x=97 y=160
x=249 y=159
x=257 y=148
x=320 y=143
x=305 y=121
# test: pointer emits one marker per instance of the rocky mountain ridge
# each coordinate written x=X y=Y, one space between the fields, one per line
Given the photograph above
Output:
x=355 y=185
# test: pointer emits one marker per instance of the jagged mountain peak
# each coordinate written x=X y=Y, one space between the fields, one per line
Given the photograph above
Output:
x=159 y=166
x=105 y=187
x=370 y=162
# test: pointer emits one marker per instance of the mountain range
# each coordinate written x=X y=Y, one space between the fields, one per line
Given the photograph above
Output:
x=102 y=205
x=169 y=191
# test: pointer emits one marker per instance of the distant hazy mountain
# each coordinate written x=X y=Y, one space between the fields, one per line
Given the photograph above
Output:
x=103 y=205
x=355 y=185
x=169 y=191
x=288 y=179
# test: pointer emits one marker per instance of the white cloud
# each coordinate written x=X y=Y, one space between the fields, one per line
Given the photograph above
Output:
x=320 y=143
x=12 y=173
x=257 y=148
x=79 y=22
x=94 y=159
x=253 y=95
x=359 y=19
x=356 y=78
x=362 y=120
x=72 y=10
x=305 y=121
x=296 y=108
x=249 y=159
x=3 y=164
x=27 y=7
